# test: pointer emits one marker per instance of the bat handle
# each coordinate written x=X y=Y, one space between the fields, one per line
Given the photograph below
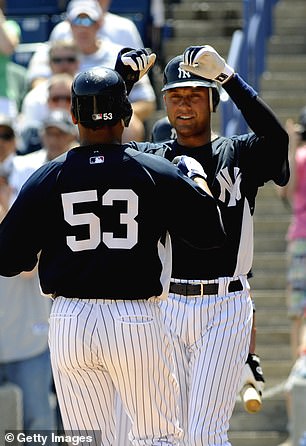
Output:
x=250 y=398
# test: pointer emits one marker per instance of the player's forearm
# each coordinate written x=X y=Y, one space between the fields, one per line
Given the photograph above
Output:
x=256 y=112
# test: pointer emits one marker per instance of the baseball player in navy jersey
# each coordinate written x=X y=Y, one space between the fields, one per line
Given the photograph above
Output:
x=98 y=219
x=209 y=310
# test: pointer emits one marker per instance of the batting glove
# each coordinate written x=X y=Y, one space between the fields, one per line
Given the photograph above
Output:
x=252 y=374
x=189 y=166
x=134 y=64
x=204 y=61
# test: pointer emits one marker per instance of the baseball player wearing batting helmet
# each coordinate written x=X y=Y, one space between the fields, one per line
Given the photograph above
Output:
x=209 y=309
x=105 y=259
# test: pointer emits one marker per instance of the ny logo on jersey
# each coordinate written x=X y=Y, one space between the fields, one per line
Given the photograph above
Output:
x=226 y=184
x=173 y=133
x=182 y=74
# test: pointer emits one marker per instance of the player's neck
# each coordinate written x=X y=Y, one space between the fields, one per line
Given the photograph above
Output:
x=103 y=135
x=87 y=141
x=196 y=140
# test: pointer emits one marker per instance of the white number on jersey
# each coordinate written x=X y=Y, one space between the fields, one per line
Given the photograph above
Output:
x=90 y=219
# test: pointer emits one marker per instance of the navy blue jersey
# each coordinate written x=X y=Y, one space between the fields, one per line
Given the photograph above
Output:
x=99 y=219
x=235 y=166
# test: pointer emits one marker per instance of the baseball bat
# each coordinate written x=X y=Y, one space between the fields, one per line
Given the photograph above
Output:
x=250 y=398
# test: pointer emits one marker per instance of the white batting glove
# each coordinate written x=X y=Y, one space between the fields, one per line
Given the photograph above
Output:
x=252 y=374
x=204 y=61
x=189 y=166
x=139 y=60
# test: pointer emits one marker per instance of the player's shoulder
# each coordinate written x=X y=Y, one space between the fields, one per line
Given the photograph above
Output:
x=145 y=153
x=231 y=143
x=62 y=158
x=161 y=149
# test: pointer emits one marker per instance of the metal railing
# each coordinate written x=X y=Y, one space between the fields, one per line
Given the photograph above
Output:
x=247 y=55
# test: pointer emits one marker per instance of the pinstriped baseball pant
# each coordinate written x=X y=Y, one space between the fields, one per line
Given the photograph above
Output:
x=211 y=336
x=99 y=347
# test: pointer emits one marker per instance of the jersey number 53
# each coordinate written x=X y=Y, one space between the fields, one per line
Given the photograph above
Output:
x=90 y=219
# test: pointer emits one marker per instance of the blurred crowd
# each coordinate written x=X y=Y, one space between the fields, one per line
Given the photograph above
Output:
x=89 y=35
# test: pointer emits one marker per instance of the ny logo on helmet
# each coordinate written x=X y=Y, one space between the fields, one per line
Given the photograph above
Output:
x=182 y=74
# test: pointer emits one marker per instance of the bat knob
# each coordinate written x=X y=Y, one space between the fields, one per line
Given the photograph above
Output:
x=251 y=399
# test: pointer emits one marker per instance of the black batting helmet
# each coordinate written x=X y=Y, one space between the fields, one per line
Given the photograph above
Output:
x=175 y=77
x=99 y=98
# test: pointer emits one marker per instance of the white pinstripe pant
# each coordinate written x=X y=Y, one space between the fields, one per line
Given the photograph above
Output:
x=211 y=336
x=99 y=347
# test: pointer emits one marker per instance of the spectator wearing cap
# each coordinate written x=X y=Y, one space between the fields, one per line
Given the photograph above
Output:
x=117 y=29
x=24 y=313
x=58 y=134
x=85 y=19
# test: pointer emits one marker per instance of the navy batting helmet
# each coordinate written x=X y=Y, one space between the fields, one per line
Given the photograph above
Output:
x=176 y=77
x=99 y=98
x=163 y=131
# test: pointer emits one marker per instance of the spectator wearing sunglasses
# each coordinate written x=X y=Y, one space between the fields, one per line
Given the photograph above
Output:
x=48 y=95
x=118 y=29
x=59 y=92
x=62 y=57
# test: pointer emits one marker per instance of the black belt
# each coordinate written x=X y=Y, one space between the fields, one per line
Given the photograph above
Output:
x=200 y=289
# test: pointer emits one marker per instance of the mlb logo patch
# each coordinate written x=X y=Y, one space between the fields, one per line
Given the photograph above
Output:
x=96 y=159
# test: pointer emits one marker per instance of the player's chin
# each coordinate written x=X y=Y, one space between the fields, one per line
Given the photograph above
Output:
x=184 y=126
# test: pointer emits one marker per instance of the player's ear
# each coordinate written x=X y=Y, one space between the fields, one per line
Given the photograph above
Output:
x=74 y=120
